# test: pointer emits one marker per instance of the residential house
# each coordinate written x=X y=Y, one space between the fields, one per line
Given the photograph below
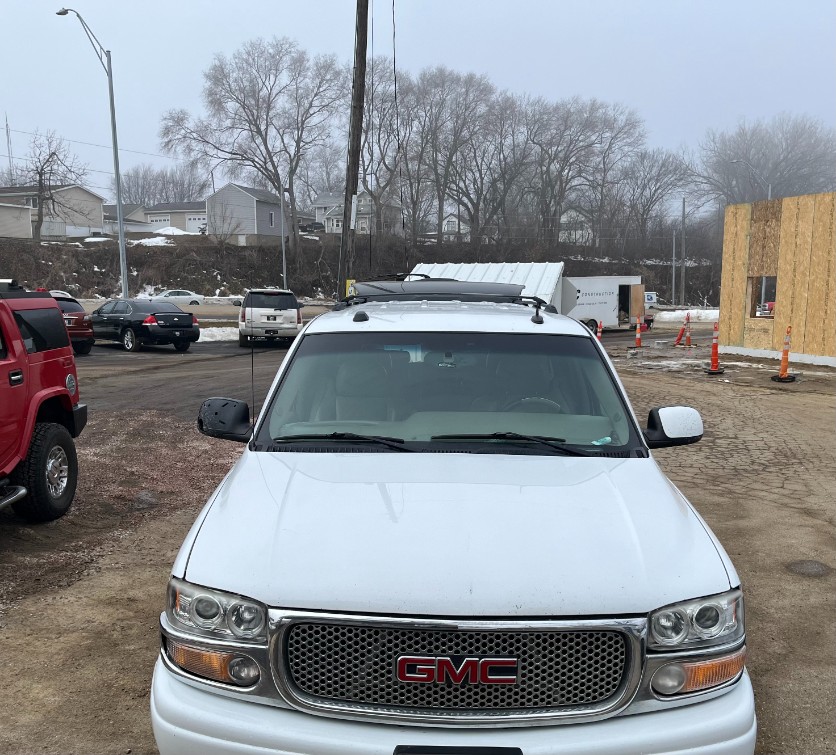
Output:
x=574 y=229
x=245 y=216
x=328 y=207
x=133 y=216
x=187 y=216
x=75 y=211
x=453 y=228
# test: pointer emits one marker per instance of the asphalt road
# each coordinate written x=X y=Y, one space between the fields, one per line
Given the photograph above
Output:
x=159 y=378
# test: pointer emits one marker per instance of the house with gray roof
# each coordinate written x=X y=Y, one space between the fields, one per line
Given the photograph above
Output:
x=328 y=207
x=244 y=216
x=133 y=216
x=71 y=211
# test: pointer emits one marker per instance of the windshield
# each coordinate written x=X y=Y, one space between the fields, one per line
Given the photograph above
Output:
x=417 y=387
x=271 y=301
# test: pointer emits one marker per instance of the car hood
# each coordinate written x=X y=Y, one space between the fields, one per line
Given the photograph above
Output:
x=454 y=535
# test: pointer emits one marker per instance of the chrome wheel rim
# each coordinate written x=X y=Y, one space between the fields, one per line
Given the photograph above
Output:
x=57 y=471
x=129 y=339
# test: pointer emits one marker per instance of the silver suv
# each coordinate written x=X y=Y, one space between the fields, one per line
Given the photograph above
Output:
x=270 y=313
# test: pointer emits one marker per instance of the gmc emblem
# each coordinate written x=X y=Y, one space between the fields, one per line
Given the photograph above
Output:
x=431 y=669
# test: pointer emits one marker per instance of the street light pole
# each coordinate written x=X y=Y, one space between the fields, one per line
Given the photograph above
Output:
x=758 y=176
x=104 y=58
x=284 y=258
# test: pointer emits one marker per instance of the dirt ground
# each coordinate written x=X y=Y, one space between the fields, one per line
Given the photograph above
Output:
x=80 y=598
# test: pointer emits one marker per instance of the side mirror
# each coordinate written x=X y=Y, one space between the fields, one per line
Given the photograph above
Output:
x=237 y=303
x=225 y=418
x=673 y=426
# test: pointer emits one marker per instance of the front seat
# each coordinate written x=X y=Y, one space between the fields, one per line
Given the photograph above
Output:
x=363 y=389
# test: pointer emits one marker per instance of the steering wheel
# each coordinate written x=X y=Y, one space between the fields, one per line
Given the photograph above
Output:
x=546 y=404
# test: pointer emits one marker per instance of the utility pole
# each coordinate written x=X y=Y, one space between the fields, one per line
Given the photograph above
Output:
x=682 y=248
x=673 y=269
x=352 y=168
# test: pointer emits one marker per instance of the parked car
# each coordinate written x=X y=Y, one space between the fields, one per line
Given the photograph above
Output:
x=312 y=227
x=178 y=296
x=269 y=313
x=40 y=411
x=78 y=322
x=766 y=309
x=55 y=293
x=135 y=322
x=447 y=533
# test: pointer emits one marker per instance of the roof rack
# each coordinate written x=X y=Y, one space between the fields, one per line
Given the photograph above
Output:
x=442 y=289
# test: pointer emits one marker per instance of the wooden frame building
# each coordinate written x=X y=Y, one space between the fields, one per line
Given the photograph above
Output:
x=785 y=250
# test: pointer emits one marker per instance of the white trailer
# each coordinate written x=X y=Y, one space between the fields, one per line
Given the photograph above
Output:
x=612 y=300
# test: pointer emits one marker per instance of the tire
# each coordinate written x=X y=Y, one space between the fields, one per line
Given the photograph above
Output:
x=49 y=473
x=82 y=348
x=129 y=340
x=243 y=340
x=592 y=325
x=182 y=345
x=194 y=303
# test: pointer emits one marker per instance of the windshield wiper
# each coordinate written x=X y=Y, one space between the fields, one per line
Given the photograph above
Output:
x=396 y=443
x=558 y=444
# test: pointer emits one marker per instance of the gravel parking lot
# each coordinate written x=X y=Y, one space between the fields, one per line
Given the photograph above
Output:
x=80 y=597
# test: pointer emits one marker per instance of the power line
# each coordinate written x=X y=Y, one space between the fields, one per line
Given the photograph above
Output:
x=106 y=146
x=89 y=170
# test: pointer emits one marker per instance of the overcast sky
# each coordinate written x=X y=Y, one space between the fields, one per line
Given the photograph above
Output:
x=684 y=65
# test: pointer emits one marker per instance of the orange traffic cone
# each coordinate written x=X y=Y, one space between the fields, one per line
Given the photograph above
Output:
x=688 y=331
x=600 y=329
x=685 y=324
x=783 y=375
x=715 y=368
x=638 y=334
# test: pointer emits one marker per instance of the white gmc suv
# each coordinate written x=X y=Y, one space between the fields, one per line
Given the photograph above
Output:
x=447 y=534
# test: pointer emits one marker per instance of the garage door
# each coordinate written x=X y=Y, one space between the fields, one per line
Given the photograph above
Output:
x=195 y=222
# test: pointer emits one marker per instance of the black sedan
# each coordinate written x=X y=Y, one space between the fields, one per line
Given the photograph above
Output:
x=134 y=322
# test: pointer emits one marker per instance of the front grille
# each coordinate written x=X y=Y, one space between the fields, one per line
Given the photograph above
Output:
x=347 y=664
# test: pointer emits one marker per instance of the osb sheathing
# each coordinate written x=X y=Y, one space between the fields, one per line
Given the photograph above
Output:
x=764 y=239
x=794 y=270
x=795 y=239
x=820 y=335
x=733 y=302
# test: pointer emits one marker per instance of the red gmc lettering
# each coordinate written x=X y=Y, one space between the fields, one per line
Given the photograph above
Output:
x=424 y=669
x=446 y=668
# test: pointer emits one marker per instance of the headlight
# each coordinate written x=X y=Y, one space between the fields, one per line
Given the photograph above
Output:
x=715 y=620
x=212 y=613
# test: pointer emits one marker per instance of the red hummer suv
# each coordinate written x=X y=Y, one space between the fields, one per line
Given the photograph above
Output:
x=40 y=413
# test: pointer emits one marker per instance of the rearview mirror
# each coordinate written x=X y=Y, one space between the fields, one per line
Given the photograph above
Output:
x=673 y=426
x=225 y=418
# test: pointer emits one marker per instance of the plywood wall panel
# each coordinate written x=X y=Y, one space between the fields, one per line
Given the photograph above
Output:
x=765 y=237
x=820 y=337
x=733 y=276
x=801 y=277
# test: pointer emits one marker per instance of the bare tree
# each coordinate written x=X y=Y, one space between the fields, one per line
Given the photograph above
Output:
x=790 y=154
x=620 y=135
x=321 y=169
x=266 y=107
x=379 y=146
x=651 y=177
x=48 y=167
x=148 y=185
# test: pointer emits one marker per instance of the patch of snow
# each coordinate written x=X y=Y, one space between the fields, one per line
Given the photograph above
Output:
x=307 y=236
x=95 y=239
x=96 y=269
x=697 y=315
x=172 y=231
x=155 y=241
x=218 y=334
